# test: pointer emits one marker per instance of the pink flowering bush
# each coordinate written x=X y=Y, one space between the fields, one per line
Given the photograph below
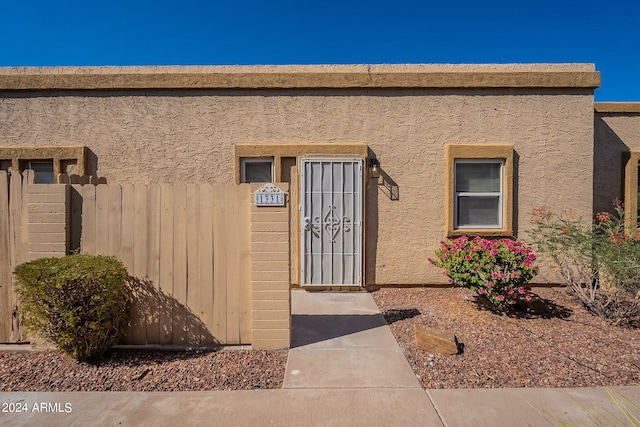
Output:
x=498 y=271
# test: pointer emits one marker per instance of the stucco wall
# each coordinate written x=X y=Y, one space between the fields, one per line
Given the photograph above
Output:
x=169 y=135
x=617 y=131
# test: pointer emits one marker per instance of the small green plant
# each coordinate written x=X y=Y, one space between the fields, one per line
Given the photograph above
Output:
x=498 y=271
x=79 y=302
x=599 y=259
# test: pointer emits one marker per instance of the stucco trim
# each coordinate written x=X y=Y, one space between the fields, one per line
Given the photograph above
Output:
x=278 y=151
x=455 y=152
x=303 y=77
x=57 y=154
x=617 y=107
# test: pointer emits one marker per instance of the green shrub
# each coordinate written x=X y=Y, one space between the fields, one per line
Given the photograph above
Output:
x=79 y=302
x=498 y=271
x=599 y=259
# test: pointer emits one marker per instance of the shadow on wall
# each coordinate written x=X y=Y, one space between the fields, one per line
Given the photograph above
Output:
x=75 y=209
x=608 y=170
x=388 y=187
x=158 y=318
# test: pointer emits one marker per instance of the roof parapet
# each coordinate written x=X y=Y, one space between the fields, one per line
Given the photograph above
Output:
x=302 y=77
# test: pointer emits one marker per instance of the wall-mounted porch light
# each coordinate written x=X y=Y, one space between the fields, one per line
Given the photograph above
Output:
x=374 y=168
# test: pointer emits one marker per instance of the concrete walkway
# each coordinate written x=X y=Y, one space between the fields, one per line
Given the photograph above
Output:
x=345 y=368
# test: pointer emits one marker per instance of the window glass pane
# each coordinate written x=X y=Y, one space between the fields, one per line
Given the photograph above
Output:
x=477 y=177
x=43 y=170
x=477 y=211
x=259 y=171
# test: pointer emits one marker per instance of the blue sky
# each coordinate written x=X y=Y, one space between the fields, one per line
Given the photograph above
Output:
x=199 y=32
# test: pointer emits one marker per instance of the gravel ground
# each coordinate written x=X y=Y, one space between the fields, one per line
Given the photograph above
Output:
x=126 y=370
x=566 y=347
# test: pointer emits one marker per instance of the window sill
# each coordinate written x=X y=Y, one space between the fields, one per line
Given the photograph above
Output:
x=482 y=232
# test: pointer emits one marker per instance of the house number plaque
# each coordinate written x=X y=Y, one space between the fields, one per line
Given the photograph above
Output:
x=269 y=195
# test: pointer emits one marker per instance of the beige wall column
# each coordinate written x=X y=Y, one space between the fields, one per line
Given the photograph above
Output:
x=270 y=297
x=47 y=220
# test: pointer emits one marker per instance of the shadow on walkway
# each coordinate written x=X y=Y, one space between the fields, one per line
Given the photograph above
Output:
x=312 y=328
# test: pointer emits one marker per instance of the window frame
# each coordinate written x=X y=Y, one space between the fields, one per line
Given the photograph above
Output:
x=481 y=153
x=19 y=157
x=248 y=160
x=498 y=194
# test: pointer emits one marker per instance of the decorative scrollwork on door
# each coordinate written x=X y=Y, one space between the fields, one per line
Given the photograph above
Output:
x=332 y=224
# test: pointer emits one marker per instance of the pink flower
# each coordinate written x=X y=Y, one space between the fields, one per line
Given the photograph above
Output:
x=490 y=283
x=500 y=298
x=467 y=257
x=510 y=292
x=521 y=291
x=528 y=297
x=481 y=291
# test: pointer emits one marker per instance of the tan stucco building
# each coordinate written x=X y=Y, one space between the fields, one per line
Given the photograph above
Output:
x=382 y=161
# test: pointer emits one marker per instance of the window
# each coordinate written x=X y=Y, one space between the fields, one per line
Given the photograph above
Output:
x=479 y=190
x=478 y=198
x=257 y=170
x=46 y=162
x=43 y=171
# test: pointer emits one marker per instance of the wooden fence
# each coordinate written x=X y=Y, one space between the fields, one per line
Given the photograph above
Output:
x=201 y=256
x=188 y=247
x=13 y=238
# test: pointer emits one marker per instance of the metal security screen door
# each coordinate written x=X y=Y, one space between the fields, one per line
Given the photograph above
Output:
x=331 y=222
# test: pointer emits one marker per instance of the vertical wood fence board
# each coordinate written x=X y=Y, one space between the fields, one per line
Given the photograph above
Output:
x=102 y=219
x=206 y=261
x=180 y=263
x=115 y=220
x=233 y=267
x=6 y=287
x=16 y=190
x=166 y=260
x=22 y=236
x=17 y=242
x=89 y=219
x=140 y=243
x=140 y=246
x=126 y=245
x=153 y=262
x=75 y=217
x=194 y=303
x=219 y=329
x=128 y=218
x=244 y=231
